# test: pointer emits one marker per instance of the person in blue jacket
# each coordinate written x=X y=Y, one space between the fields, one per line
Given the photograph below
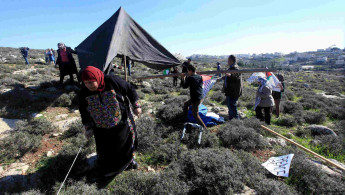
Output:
x=25 y=53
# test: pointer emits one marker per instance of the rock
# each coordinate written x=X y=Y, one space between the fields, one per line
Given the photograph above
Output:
x=51 y=89
x=212 y=104
x=91 y=160
x=242 y=115
x=162 y=103
x=338 y=163
x=325 y=168
x=150 y=169
x=33 y=87
x=222 y=109
x=61 y=116
x=65 y=124
x=6 y=125
x=320 y=130
x=306 y=85
x=1 y=170
x=76 y=111
x=276 y=141
x=36 y=115
x=56 y=134
x=2 y=91
x=215 y=109
x=247 y=191
x=16 y=169
x=146 y=84
x=50 y=153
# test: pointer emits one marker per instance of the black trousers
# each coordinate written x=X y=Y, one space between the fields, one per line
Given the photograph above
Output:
x=267 y=111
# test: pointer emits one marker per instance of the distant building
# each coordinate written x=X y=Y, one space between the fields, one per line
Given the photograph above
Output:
x=292 y=59
x=340 y=62
x=285 y=63
x=342 y=57
x=322 y=59
x=304 y=56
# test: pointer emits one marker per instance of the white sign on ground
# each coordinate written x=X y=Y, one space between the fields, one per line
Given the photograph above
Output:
x=279 y=166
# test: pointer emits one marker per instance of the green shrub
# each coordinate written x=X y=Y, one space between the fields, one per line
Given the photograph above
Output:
x=211 y=171
x=36 y=126
x=331 y=144
x=147 y=90
x=208 y=139
x=172 y=110
x=287 y=121
x=314 y=117
x=289 y=107
x=75 y=129
x=17 y=144
x=273 y=187
x=168 y=151
x=63 y=101
x=218 y=96
x=235 y=134
x=79 y=187
x=17 y=98
x=149 y=135
x=136 y=182
x=309 y=179
x=159 y=89
x=57 y=167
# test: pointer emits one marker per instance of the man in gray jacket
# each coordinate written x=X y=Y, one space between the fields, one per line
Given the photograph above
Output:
x=232 y=88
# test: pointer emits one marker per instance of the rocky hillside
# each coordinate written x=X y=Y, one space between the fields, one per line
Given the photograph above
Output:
x=41 y=133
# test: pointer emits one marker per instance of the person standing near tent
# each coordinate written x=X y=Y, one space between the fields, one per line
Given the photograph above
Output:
x=51 y=56
x=25 y=53
x=219 y=68
x=53 y=53
x=127 y=64
x=277 y=96
x=184 y=69
x=232 y=88
x=194 y=82
x=104 y=105
x=66 y=62
x=174 y=71
x=46 y=55
x=263 y=100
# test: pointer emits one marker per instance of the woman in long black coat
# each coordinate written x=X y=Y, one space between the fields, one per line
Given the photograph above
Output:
x=104 y=109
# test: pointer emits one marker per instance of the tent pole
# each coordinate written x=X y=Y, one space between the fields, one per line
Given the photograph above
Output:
x=124 y=59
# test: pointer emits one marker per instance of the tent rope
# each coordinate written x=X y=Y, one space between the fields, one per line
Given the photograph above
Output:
x=69 y=170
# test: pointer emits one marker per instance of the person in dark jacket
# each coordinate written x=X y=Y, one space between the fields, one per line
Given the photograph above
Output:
x=174 y=71
x=219 y=68
x=66 y=62
x=263 y=100
x=184 y=69
x=194 y=82
x=25 y=53
x=104 y=105
x=232 y=88
x=277 y=95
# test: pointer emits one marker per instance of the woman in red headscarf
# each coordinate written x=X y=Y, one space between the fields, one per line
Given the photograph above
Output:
x=105 y=112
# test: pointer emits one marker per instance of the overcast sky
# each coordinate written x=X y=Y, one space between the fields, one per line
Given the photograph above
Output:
x=219 y=27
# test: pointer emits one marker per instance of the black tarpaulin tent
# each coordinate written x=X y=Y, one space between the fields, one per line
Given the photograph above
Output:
x=121 y=36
